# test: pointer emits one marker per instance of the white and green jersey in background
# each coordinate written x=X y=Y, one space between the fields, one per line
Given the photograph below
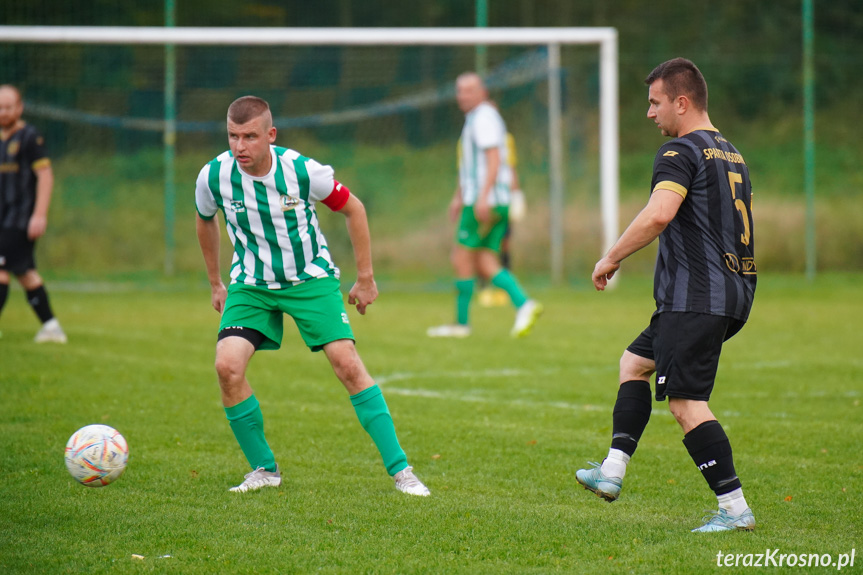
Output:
x=271 y=220
x=483 y=129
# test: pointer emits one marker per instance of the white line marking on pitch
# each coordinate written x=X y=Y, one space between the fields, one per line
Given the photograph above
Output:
x=469 y=398
x=479 y=397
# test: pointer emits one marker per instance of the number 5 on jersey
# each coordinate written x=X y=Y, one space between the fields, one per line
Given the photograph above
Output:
x=734 y=178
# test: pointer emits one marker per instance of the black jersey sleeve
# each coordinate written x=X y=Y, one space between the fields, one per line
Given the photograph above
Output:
x=33 y=153
x=674 y=168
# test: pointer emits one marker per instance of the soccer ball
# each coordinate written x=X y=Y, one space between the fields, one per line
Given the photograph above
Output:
x=96 y=455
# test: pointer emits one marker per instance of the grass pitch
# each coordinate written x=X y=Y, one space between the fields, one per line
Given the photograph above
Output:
x=496 y=428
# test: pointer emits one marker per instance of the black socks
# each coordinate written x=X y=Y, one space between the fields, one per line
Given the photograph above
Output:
x=631 y=414
x=711 y=451
x=38 y=299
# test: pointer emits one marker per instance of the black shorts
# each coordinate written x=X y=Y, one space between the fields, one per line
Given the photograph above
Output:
x=685 y=347
x=16 y=251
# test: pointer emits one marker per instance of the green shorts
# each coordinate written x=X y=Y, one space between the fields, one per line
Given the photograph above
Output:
x=316 y=306
x=475 y=235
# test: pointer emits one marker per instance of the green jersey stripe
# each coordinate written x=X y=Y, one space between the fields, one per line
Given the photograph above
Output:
x=289 y=265
x=302 y=177
x=215 y=182
x=237 y=273
x=296 y=241
x=213 y=179
x=311 y=217
x=277 y=263
x=242 y=216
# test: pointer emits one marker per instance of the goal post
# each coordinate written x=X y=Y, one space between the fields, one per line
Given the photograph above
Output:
x=551 y=38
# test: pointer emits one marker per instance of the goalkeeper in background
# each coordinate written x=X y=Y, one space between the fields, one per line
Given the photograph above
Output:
x=481 y=207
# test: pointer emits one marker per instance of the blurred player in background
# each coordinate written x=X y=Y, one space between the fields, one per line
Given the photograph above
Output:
x=281 y=265
x=26 y=184
x=704 y=285
x=481 y=206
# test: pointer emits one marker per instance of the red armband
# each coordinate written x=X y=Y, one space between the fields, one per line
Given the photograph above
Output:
x=338 y=197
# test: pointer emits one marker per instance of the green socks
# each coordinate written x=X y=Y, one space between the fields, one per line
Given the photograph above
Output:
x=465 y=292
x=247 y=423
x=375 y=418
x=507 y=282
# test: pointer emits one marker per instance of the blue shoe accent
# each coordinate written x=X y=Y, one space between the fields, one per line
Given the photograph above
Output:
x=593 y=480
x=722 y=521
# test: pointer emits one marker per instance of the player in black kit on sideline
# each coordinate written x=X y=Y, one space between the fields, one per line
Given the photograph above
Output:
x=26 y=182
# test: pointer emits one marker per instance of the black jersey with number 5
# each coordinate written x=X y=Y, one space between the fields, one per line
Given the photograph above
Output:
x=706 y=259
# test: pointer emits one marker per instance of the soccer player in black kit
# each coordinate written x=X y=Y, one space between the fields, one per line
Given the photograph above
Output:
x=704 y=283
x=26 y=182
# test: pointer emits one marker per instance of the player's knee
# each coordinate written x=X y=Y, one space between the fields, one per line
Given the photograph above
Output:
x=347 y=368
x=677 y=409
x=229 y=370
x=462 y=261
x=30 y=280
x=635 y=367
x=347 y=364
x=689 y=413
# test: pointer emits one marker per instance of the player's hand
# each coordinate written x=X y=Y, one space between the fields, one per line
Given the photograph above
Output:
x=218 y=297
x=604 y=271
x=363 y=294
x=482 y=211
x=36 y=227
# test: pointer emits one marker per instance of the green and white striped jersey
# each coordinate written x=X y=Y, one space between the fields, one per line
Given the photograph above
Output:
x=271 y=220
x=483 y=129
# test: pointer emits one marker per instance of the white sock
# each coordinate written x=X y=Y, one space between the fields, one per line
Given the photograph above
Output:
x=614 y=465
x=733 y=502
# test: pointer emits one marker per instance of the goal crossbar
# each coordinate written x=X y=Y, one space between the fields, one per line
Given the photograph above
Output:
x=304 y=36
x=605 y=38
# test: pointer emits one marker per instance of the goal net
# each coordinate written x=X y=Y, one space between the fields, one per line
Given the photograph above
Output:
x=131 y=114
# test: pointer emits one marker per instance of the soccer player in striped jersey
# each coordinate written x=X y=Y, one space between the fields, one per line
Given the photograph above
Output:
x=26 y=184
x=481 y=205
x=704 y=284
x=281 y=265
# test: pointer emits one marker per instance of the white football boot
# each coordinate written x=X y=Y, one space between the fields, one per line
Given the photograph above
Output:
x=258 y=478
x=407 y=482
x=51 y=332
x=525 y=317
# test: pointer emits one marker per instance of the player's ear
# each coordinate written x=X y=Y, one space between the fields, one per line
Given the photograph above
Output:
x=271 y=134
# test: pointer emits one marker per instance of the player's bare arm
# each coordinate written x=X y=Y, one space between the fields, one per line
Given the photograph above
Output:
x=482 y=210
x=645 y=228
x=44 y=186
x=208 y=237
x=365 y=291
x=455 y=205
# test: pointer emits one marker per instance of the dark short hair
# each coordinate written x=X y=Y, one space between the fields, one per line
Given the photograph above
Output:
x=247 y=108
x=681 y=77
